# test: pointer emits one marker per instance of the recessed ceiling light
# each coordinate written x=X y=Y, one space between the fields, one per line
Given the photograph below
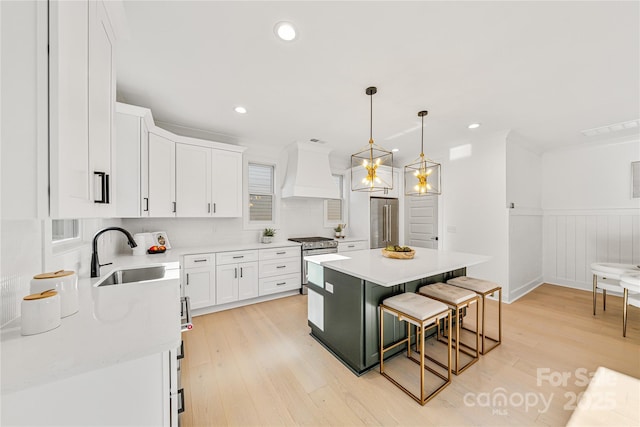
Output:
x=395 y=150
x=240 y=110
x=285 y=31
x=474 y=126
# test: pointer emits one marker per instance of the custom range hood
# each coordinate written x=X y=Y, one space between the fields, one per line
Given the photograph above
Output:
x=308 y=172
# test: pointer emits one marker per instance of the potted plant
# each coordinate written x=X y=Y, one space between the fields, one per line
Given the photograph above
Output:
x=267 y=235
x=338 y=230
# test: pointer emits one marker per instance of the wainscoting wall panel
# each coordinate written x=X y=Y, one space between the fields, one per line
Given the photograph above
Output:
x=574 y=239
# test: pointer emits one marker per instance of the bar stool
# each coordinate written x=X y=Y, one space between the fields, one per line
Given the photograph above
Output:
x=630 y=283
x=423 y=313
x=606 y=276
x=456 y=299
x=483 y=288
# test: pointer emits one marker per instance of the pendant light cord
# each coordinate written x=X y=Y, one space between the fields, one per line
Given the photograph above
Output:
x=422 y=139
x=371 y=119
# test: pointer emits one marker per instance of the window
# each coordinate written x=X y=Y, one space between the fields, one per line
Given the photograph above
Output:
x=261 y=193
x=63 y=230
x=334 y=208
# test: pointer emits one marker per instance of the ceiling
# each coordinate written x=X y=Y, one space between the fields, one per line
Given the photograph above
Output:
x=546 y=70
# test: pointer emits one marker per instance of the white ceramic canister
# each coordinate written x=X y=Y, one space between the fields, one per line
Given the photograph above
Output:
x=40 y=312
x=65 y=283
x=142 y=240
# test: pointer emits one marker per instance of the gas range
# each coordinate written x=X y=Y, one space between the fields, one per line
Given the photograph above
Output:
x=312 y=243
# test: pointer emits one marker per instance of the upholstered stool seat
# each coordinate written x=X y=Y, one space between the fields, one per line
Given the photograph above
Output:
x=606 y=277
x=483 y=288
x=631 y=285
x=423 y=313
x=456 y=299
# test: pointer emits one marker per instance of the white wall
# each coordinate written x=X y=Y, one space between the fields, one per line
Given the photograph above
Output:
x=593 y=177
x=474 y=216
x=589 y=215
x=524 y=197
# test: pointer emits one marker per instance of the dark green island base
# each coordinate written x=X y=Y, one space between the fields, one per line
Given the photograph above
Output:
x=351 y=317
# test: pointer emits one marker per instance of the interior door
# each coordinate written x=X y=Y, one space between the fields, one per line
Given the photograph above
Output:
x=422 y=222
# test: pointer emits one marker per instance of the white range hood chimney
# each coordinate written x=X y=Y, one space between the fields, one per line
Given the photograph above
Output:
x=308 y=172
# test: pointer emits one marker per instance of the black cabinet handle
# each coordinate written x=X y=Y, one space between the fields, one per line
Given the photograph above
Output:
x=174 y=207
x=181 y=353
x=238 y=257
x=280 y=253
x=208 y=207
x=187 y=278
x=146 y=204
x=281 y=266
x=181 y=406
x=281 y=283
x=200 y=260
x=240 y=272
x=235 y=273
x=104 y=187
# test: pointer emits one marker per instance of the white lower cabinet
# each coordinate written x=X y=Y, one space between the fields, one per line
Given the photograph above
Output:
x=236 y=280
x=228 y=277
x=353 y=245
x=199 y=280
x=137 y=392
x=280 y=270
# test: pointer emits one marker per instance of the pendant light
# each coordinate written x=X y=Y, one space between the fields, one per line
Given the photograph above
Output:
x=372 y=167
x=422 y=177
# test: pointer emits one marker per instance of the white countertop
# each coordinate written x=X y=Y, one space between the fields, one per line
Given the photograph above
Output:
x=370 y=265
x=114 y=324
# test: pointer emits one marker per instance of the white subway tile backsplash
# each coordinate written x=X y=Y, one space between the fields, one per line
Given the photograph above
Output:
x=21 y=259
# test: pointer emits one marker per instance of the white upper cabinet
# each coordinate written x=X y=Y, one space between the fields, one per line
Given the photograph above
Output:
x=162 y=176
x=132 y=161
x=226 y=184
x=193 y=181
x=102 y=102
x=82 y=109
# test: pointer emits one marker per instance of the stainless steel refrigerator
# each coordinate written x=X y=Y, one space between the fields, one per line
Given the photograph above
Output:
x=384 y=222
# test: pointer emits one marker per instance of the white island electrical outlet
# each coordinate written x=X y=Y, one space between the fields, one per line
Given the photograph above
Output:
x=328 y=286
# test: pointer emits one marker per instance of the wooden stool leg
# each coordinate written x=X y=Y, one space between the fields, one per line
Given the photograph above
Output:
x=381 y=340
x=624 y=312
x=595 y=286
x=483 y=319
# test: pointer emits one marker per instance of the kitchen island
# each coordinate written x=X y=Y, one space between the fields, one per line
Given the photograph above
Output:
x=345 y=292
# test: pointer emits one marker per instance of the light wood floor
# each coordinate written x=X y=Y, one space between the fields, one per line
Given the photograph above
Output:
x=257 y=365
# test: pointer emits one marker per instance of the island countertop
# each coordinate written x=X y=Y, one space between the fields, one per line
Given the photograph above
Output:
x=370 y=265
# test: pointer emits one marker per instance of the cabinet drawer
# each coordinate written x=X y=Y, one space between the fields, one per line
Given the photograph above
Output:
x=279 y=253
x=200 y=260
x=236 y=257
x=277 y=267
x=352 y=246
x=274 y=285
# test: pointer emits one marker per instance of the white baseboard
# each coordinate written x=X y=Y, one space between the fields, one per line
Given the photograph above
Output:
x=583 y=286
x=521 y=291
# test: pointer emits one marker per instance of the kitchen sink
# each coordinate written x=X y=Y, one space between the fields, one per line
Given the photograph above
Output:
x=132 y=275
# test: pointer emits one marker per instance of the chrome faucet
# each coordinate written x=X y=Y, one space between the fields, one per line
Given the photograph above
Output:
x=95 y=263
